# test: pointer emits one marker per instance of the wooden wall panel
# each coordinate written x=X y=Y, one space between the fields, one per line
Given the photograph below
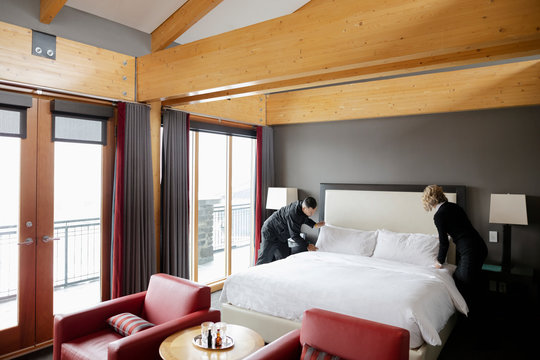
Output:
x=249 y=109
x=78 y=68
x=342 y=40
x=498 y=86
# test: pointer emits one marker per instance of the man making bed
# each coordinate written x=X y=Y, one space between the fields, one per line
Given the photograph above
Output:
x=283 y=224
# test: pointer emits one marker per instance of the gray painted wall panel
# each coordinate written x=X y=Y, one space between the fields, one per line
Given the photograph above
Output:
x=489 y=151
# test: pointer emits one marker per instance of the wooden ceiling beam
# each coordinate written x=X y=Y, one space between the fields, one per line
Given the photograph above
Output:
x=48 y=9
x=180 y=21
x=496 y=86
x=247 y=110
x=341 y=40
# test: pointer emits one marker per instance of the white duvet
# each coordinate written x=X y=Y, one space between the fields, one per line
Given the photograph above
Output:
x=417 y=298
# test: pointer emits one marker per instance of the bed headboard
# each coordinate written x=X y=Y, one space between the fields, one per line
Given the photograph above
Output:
x=393 y=207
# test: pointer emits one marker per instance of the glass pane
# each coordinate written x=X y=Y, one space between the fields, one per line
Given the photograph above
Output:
x=77 y=208
x=9 y=230
x=75 y=129
x=211 y=206
x=243 y=202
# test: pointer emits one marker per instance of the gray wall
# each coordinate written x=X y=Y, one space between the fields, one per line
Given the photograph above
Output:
x=491 y=151
x=78 y=26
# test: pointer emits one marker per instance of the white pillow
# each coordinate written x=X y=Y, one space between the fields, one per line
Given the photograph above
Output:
x=346 y=241
x=418 y=249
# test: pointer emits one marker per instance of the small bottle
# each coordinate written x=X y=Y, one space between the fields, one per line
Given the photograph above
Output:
x=218 y=339
x=209 y=338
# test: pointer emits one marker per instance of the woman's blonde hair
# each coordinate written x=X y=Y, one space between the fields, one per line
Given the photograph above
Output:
x=433 y=195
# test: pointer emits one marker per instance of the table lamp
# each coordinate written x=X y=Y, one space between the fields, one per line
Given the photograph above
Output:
x=280 y=196
x=507 y=209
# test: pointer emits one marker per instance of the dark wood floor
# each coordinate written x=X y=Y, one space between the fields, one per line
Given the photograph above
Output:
x=501 y=331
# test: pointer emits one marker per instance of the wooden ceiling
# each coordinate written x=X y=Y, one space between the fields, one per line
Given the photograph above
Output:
x=366 y=58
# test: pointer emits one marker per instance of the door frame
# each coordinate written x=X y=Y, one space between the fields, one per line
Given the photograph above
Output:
x=35 y=305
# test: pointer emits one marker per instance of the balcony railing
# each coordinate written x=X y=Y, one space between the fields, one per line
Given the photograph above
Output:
x=241 y=223
x=76 y=255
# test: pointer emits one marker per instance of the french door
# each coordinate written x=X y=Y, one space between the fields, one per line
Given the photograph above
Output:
x=50 y=243
x=223 y=191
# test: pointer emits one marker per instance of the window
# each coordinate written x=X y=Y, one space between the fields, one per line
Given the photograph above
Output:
x=223 y=193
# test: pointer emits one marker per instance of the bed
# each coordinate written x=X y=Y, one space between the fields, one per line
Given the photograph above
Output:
x=346 y=274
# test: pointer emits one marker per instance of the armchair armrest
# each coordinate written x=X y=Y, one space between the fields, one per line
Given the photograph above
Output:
x=71 y=326
x=286 y=347
x=145 y=344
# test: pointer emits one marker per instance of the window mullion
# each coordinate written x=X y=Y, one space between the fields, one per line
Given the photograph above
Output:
x=228 y=206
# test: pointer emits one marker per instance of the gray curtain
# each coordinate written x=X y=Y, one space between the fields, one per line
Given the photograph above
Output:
x=139 y=248
x=268 y=177
x=175 y=194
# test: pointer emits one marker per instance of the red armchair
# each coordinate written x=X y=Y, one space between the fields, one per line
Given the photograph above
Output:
x=171 y=303
x=339 y=335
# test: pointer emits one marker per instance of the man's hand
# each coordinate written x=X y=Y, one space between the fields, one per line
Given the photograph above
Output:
x=438 y=265
x=319 y=224
x=312 y=247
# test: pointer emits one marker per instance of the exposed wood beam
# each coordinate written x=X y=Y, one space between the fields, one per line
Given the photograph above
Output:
x=310 y=4
x=48 y=9
x=181 y=20
x=497 y=86
x=368 y=72
x=155 y=139
x=249 y=110
x=339 y=41
x=78 y=68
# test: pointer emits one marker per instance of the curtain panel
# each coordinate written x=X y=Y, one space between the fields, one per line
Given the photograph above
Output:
x=134 y=254
x=265 y=179
x=174 y=241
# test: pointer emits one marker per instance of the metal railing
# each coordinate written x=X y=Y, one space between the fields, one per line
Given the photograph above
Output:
x=76 y=255
x=241 y=223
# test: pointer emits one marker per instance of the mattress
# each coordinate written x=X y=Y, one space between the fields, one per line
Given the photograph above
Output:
x=417 y=298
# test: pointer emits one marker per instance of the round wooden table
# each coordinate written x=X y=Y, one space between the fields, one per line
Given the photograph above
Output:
x=179 y=346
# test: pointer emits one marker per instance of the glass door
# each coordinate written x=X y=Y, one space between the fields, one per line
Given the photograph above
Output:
x=50 y=227
x=222 y=167
x=18 y=232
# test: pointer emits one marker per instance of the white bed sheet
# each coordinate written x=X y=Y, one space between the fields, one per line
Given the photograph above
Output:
x=418 y=298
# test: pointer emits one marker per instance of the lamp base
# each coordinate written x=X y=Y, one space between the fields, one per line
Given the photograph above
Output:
x=507 y=249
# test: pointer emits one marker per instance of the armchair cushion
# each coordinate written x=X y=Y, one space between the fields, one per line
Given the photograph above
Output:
x=126 y=323
x=89 y=347
x=309 y=353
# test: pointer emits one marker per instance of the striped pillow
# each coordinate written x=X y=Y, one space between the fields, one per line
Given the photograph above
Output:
x=309 y=353
x=127 y=324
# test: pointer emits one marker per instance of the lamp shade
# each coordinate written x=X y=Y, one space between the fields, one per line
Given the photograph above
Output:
x=280 y=196
x=508 y=209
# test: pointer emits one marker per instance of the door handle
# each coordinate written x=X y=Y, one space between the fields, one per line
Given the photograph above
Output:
x=46 y=239
x=27 y=241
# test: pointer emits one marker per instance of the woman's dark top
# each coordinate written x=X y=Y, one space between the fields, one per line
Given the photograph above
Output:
x=451 y=220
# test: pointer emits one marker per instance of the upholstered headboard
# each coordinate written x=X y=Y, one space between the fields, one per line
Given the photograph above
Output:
x=393 y=207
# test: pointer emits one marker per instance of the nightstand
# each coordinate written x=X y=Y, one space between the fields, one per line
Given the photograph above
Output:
x=520 y=281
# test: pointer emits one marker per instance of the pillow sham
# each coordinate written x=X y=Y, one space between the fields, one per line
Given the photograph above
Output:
x=309 y=353
x=418 y=249
x=128 y=324
x=346 y=241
